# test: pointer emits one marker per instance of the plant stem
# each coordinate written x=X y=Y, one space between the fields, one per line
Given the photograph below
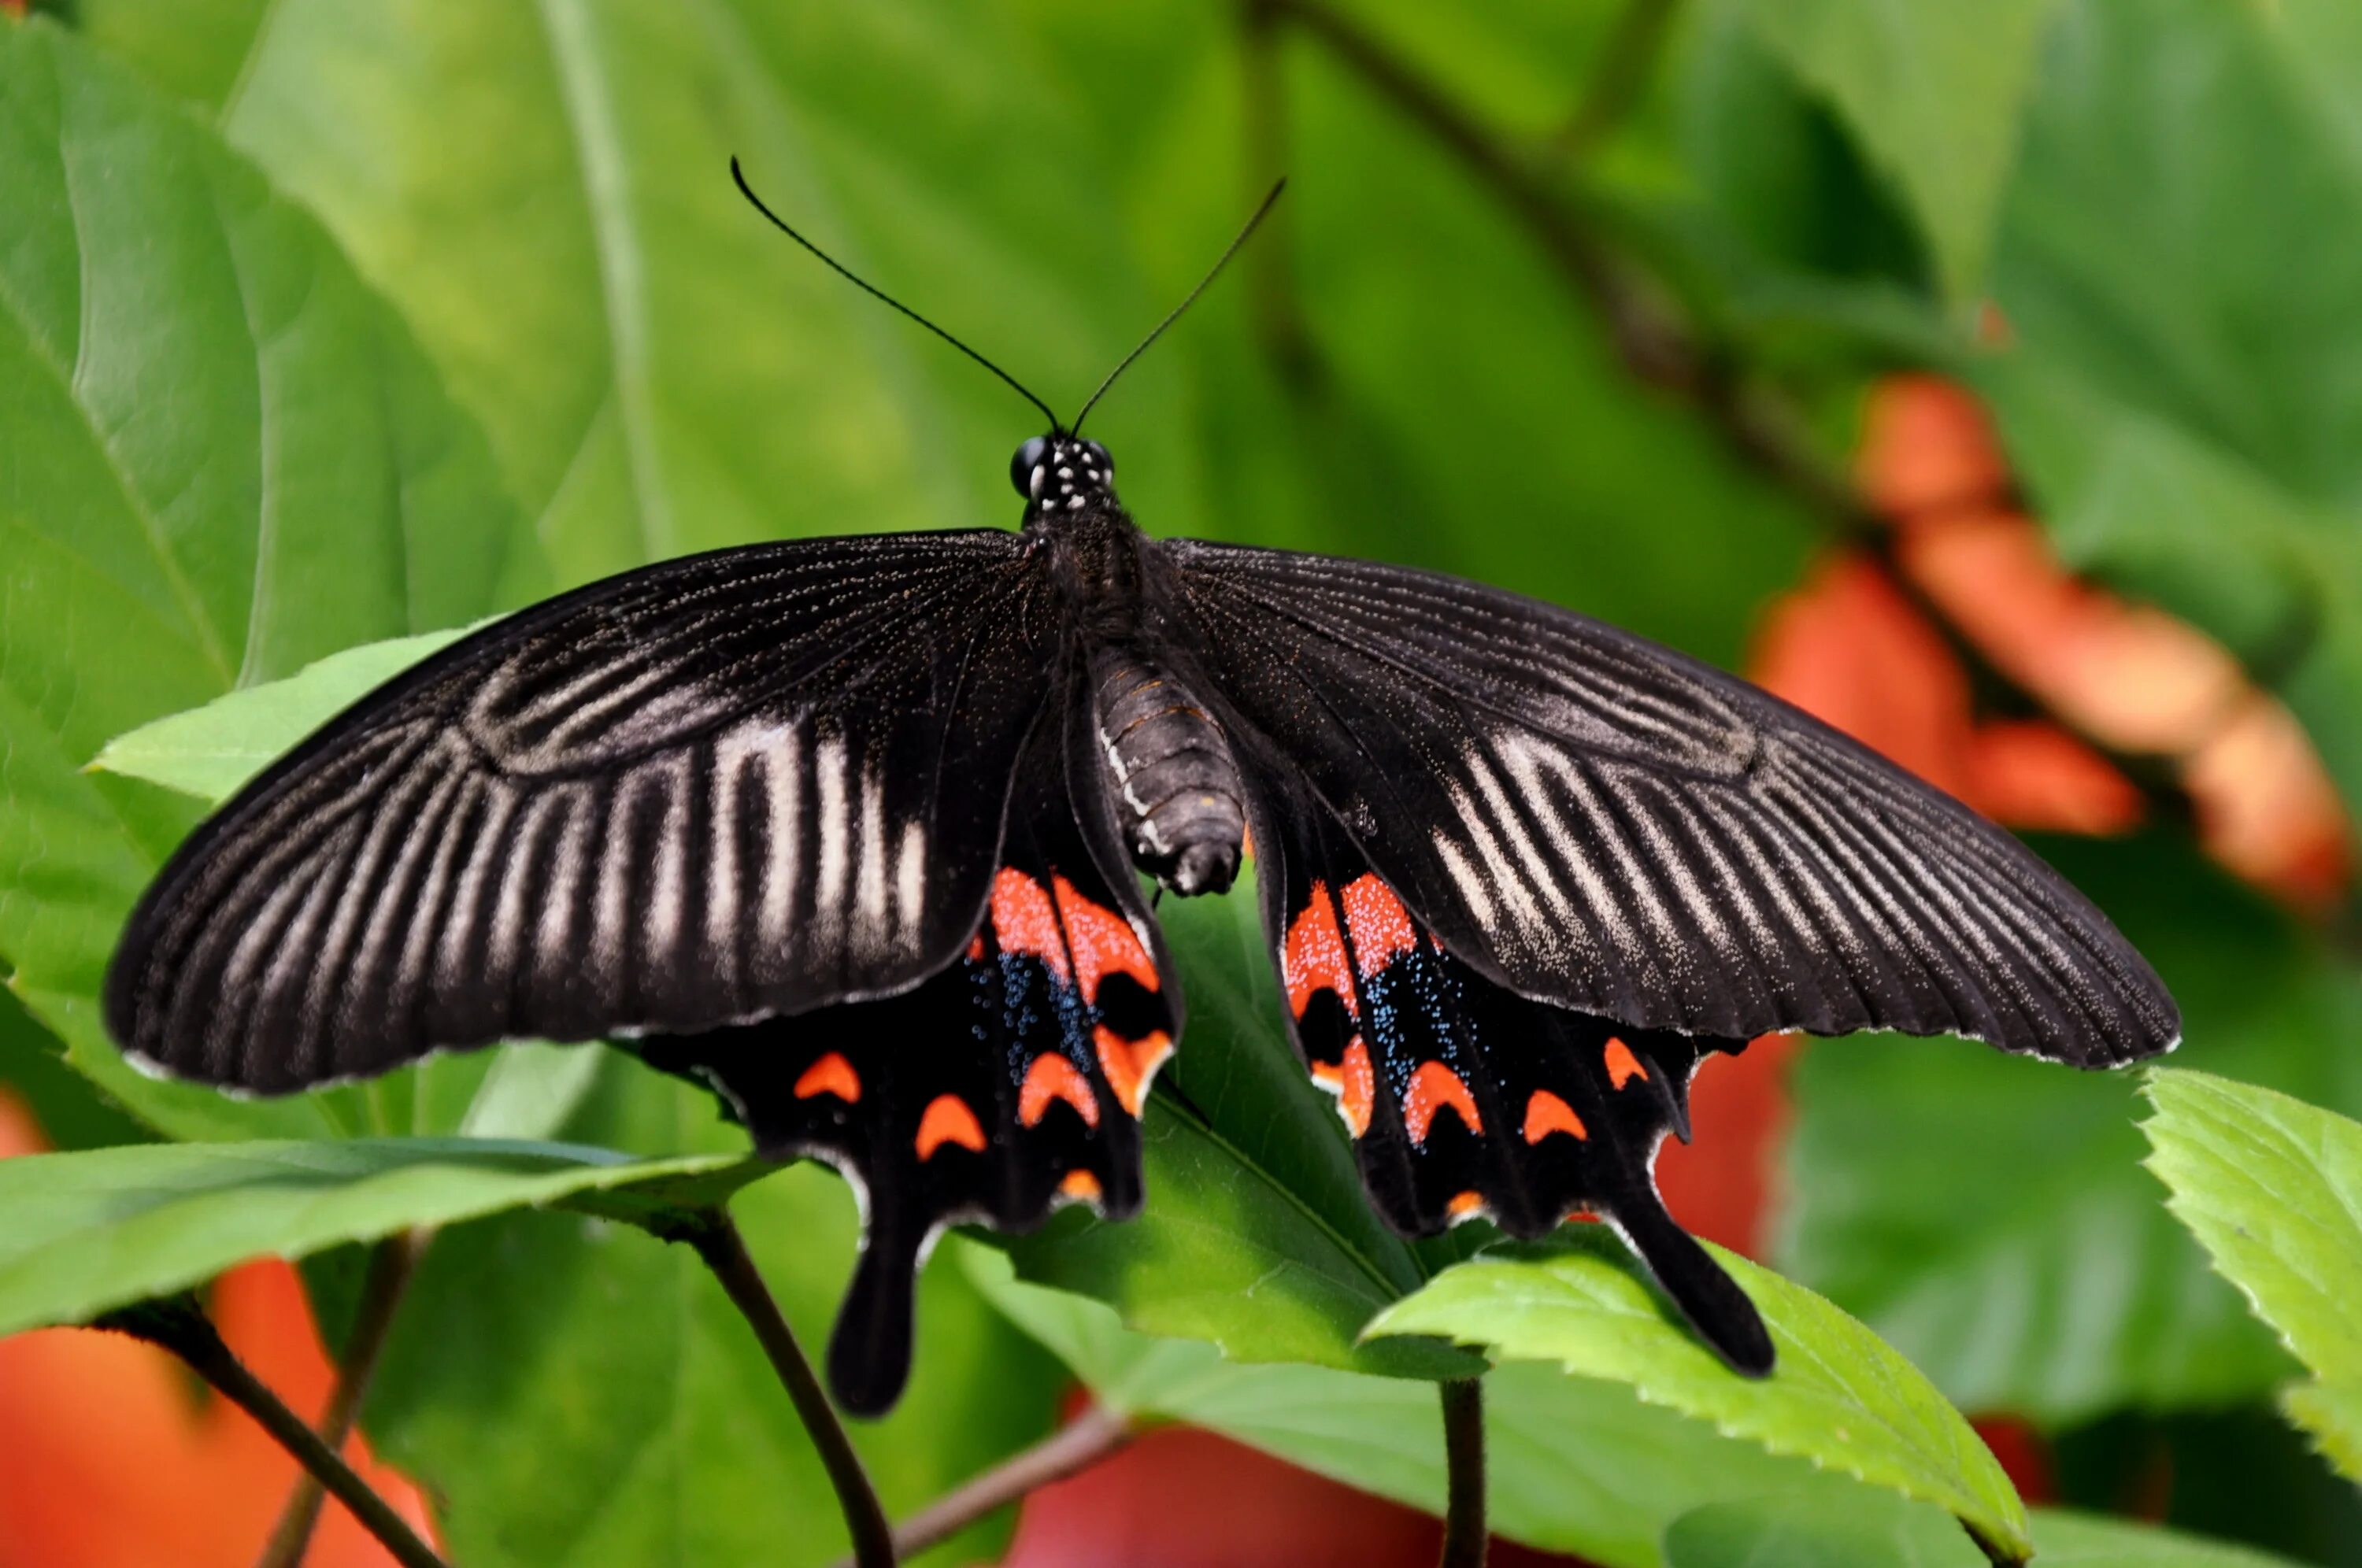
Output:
x=1095 y=1435
x=1618 y=76
x=393 y=1262
x=717 y=1242
x=1464 y=1535
x=178 y=1326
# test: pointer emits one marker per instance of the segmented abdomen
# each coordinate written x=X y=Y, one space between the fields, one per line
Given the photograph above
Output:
x=1178 y=787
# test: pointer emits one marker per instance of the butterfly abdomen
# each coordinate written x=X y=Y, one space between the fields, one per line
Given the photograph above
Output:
x=1173 y=772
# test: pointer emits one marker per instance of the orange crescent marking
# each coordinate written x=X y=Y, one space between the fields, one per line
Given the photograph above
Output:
x=1546 y=1114
x=1376 y=919
x=1463 y=1204
x=1622 y=1065
x=947 y=1120
x=976 y=948
x=1052 y=1076
x=1080 y=1185
x=1103 y=942
x=1350 y=1080
x=1130 y=1064
x=1024 y=921
x=1313 y=958
x=1433 y=1087
x=831 y=1074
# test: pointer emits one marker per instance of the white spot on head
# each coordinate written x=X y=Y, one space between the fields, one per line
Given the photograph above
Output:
x=1075 y=503
x=1065 y=473
x=1034 y=485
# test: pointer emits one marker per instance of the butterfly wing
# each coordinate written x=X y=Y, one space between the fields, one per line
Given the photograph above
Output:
x=1592 y=820
x=735 y=785
x=1465 y=1099
x=1005 y=1086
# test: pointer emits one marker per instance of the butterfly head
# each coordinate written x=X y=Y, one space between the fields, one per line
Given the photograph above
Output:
x=1057 y=473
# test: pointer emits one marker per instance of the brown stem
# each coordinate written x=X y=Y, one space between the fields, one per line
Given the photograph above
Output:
x=717 y=1242
x=1095 y=1435
x=392 y=1264
x=1464 y=1535
x=1618 y=76
x=178 y=1326
x=1659 y=348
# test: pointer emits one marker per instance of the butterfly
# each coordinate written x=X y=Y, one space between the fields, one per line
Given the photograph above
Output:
x=854 y=833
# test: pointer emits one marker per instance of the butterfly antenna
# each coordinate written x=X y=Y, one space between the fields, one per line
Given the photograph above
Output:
x=1158 y=331
x=845 y=273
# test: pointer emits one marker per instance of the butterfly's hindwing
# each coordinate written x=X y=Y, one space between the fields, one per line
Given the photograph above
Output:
x=1464 y=1099
x=745 y=783
x=1590 y=819
x=1007 y=1084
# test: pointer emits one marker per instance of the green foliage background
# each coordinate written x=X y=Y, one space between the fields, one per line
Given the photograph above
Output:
x=325 y=323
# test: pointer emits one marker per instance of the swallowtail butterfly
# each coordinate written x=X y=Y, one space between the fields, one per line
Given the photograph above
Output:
x=848 y=830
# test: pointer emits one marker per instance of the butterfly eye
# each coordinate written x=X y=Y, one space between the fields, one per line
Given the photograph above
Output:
x=1028 y=458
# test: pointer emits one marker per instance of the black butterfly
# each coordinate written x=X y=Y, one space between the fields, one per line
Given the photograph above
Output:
x=848 y=829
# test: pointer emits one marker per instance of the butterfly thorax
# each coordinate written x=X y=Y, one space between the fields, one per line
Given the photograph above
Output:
x=1177 y=787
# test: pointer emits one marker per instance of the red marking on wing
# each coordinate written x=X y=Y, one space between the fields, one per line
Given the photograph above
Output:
x=1433 y=1087
x=947 y=1120
x=1024 y=921
x=831 y=1074
x=1465 y=1204
x=1130 y=1064
x=1350 y=1081
x=1052 y=1076
x=976 y=948
x=1103 y=943
x=1378 y=923
x=1546 y=1114
x=1312 y=960
x=1080 y=1185
x=1622 y=1065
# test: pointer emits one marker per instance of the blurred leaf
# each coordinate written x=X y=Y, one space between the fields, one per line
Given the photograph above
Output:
x=1573 y=1464
x=2273 y=1187
x=1256 y=1234
x=2182 y=395
x=1934 y=93
x=69 y=1110
x=2331 y=1414
x=573 y=1391
x=1837 y=1396
x=223 y=458
x=1830 y=1530
x=211 y=751
x=1987 y=1215
x=91 y=1231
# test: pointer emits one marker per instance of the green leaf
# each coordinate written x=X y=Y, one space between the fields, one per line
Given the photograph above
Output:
x=2179 y=395
x=657 y=1433
x=1933 y=93
x=91 y=1231
x=1831 y=1530
x=1988 y=1215
x=212 y=751
x=223 y=459
x=2331 y=1414
x=1573 y=1464
x=2273 y=1188
x=1256 y=1235
x=1838 y=1396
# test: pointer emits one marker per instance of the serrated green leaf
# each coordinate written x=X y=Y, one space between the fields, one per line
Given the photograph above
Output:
x=1933 y=93
x=1838 y=1396
x=221 y=458
x=91 y=1231
x=212 y=751
x=1830 y=1531
x=2331 y=1414
x=2272 y=1187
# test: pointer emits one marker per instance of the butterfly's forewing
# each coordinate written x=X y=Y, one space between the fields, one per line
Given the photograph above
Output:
x=1592 y=820
x=1006 y=1084
x=745 y=783
x=1463 y=1098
